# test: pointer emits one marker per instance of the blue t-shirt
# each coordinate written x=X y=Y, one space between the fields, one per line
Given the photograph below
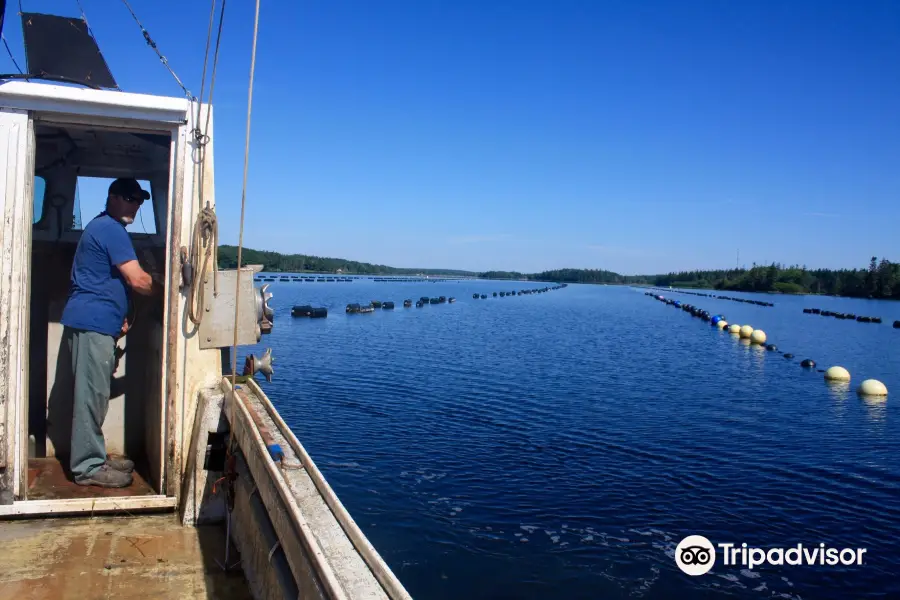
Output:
x=98 y=300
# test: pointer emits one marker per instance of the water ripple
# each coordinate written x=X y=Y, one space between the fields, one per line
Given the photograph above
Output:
x=560 y=445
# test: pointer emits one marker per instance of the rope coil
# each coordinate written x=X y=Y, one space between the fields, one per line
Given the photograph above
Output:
x=206 y=236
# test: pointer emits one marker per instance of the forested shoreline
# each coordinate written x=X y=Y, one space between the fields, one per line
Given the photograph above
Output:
x=275 y=262
x=881 y=279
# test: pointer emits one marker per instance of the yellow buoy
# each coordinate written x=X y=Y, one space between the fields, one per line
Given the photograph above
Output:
x=872 y=387
x=758 y=336
x=734 y=328
x=837 y=374
x=721 y=324
x=746 y=331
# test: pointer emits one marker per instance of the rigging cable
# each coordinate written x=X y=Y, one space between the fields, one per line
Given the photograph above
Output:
x=206 y=227
x=198 y=134
x=212 y=13
x=201 y=136
x=237 y=305
x=212 y=82
x=152 y=44
x=13 y=58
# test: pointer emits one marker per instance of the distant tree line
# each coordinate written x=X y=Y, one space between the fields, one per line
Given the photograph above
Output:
x=880 y=280
x=578 y=276
x=300 y=263
x=558 y=275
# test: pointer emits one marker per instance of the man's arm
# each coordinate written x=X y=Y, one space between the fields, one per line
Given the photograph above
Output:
x=138 y=279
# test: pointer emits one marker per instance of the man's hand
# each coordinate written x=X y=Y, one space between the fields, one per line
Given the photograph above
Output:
x=159 y=281
x=124 y=328
x=140 y=280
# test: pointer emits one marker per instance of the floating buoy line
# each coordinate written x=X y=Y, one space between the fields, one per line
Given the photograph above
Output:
x=357 y=308
x=733 y=299
x=835 y=374
x=845 y=316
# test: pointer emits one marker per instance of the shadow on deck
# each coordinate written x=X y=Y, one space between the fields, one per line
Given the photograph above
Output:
x=149 y=556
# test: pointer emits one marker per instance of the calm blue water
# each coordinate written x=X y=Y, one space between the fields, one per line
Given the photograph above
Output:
x=560 y=445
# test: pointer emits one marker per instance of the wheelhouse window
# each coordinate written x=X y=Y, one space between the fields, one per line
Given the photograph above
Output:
x=90 y=201
x=40 y=187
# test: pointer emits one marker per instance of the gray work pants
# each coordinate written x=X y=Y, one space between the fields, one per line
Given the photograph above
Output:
x=93 y=361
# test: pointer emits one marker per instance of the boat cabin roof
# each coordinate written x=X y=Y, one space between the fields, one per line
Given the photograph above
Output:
x=67 y=99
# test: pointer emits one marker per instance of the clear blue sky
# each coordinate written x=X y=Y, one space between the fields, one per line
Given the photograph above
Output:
x=484 y=134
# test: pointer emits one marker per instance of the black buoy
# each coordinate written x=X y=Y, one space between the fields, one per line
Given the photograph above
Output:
x=407 y=303
x=387 y=305
x=319 y=313
x=483 y=296
x=420 y=304
x=302 y=311
x=376 y=304
x=896 y=324
x=808 y=363
x=771 y=347
x=789 y=355
x=475 y=296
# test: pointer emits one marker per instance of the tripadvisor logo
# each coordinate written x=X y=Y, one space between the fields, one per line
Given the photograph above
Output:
x=696 y=555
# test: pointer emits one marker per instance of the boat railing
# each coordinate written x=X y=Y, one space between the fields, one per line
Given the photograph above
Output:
x=328 y=554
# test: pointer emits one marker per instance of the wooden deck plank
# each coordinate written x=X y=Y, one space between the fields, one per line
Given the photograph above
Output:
x=116 y=557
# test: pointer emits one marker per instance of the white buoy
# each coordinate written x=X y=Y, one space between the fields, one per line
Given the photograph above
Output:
x=746 y=331
x=734 y=328
x=872 y=387
x=758 y=336
x=837 y=374
x=721 y=324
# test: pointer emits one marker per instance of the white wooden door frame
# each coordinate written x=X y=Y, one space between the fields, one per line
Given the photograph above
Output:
x=15 y=260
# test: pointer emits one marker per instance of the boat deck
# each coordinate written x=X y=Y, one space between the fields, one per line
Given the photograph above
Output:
x=149 y=556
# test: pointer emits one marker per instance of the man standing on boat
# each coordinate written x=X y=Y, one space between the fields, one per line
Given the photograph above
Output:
x=104 y=269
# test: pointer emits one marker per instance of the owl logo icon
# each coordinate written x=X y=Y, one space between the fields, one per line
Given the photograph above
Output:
x=695 y=555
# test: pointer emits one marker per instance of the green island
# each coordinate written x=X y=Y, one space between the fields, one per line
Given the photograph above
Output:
x=880 y=280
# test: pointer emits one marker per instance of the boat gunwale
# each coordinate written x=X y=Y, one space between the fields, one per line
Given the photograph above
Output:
x=324 y=573
x=361 y=543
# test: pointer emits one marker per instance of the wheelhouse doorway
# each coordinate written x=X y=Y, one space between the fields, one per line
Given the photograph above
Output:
x=73 y=166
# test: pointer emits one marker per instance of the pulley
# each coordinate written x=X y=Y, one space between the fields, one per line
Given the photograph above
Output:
x=263 y=364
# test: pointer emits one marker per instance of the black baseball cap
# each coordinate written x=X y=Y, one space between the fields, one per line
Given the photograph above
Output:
x=128 y=188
